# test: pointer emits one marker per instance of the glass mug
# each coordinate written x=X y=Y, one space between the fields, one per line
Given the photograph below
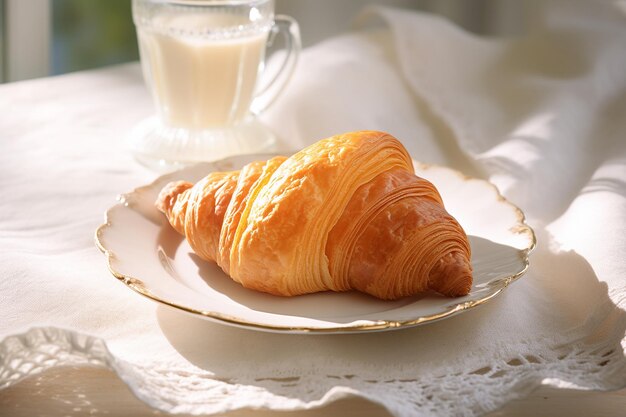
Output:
x=201 y=61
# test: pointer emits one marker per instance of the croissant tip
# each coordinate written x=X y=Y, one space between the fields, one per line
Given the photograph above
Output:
x=452 y=276
x=168 y=194
x=463 y=289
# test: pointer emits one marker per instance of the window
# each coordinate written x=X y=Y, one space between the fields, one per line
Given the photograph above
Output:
x=48 y=37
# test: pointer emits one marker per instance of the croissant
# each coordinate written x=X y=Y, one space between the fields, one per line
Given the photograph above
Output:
x=346 y=213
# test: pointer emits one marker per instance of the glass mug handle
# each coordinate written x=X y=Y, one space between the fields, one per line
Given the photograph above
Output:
x=291 y=33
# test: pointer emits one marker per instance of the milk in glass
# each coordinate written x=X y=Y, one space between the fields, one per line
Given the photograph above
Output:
x=201 y=80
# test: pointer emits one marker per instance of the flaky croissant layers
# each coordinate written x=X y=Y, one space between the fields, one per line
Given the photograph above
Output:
x=346 y=213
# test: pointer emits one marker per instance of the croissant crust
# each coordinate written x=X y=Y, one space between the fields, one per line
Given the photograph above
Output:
x=346 y=213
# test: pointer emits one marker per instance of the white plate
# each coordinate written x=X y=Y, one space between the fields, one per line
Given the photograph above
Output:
x=147 y=255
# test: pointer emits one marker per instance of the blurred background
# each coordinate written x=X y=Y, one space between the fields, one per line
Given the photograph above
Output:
x=50 y=37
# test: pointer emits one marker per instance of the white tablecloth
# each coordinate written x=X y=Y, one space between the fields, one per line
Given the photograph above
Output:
x=542 y=116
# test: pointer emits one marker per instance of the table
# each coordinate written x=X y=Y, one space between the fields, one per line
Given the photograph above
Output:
x=95 y=391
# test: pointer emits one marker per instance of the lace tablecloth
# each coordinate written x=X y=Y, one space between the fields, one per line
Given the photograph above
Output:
x=542 y=116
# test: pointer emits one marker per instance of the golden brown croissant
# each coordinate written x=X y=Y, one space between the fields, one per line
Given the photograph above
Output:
x=346 y=213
